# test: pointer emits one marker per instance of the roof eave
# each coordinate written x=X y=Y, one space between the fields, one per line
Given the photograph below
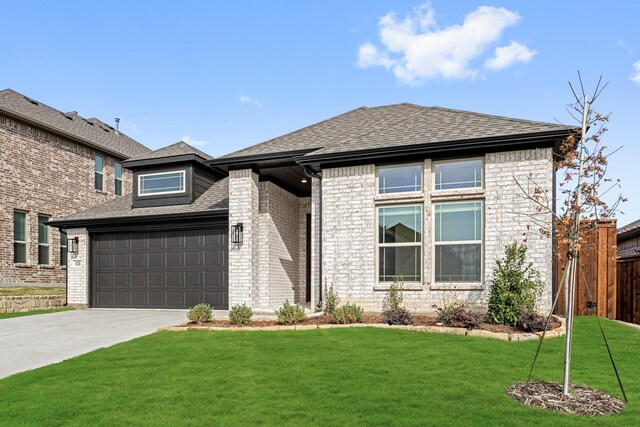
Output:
x=131 y=219
x=258 y=160
x=187 y=157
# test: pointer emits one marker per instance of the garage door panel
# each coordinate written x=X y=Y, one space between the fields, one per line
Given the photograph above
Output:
x=156 y=260
x=138 y=260
x=193 y=279
x=174 y=259
x=121 y=261
x=175 y=279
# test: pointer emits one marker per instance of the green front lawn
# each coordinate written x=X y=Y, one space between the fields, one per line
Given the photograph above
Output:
x=30 y=290
x=357 y=376
x=34 y=312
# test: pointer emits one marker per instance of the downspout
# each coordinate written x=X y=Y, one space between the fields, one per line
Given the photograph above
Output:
x=313 y=174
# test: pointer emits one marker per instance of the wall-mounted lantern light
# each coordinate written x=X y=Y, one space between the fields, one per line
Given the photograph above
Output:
x=236 y=234
x=73 y=245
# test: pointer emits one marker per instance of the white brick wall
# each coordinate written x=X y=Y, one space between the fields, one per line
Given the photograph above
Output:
x=78 y=268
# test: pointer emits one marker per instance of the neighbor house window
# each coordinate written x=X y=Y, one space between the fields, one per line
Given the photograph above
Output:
x=161 y=183
x=118 y=187
x=43 y=240
x=458 y=242
x=399 y=179
x=456 y=174
x=19 y=237
x=400 y=243
x=99 y=172
x=63 y=247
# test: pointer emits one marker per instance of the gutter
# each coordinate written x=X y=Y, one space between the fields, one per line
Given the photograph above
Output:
x=313 y=174
x=137 y=219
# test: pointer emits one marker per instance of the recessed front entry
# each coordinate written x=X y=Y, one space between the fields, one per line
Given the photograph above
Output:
x=160 y=269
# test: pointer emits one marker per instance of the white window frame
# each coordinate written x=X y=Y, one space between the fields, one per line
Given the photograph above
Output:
x=26 y=236
x=463 y=159
x=391 y=195
x=457 y=242
x=184 y=183
x=419 y=244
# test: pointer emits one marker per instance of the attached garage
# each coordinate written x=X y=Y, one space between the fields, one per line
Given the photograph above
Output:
x=160 y=269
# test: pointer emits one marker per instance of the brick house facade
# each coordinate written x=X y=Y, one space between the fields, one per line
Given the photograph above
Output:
x=49 y=173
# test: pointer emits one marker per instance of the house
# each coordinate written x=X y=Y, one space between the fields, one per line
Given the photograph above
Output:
x=52 y=164
x=426 y=193
x=629 y=240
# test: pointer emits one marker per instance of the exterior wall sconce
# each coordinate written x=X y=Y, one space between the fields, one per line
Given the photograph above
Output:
x=236 y=234
x=73 y=245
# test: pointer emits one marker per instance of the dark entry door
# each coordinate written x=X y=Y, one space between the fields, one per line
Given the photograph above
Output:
x=160 y=269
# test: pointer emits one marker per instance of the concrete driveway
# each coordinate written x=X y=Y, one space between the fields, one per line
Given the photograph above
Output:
x=33 y=341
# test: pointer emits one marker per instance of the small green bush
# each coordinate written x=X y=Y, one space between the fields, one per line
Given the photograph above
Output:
x=348 y=313
x=401 y=316
x=515 y=288
x=240 y=314
x=393 y=299
x=330 y=299
x=200 y=313
x=290 y=314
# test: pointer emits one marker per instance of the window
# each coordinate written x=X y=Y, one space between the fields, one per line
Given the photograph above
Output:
x=458 y=174
x=161 y=183
x=43 y=240
x=63 y=247
x=400 y=243
x=458 y=242
x=118 y=187
x=19 y=237
x=399 y=179
x=99 y=172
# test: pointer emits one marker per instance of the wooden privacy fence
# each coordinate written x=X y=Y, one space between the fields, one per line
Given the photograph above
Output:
x=598 y=262
x=628 y=271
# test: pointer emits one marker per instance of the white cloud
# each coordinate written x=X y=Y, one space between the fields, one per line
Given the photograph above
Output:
x=635 y=77
x=191 y=141
x=247 y=100
x=506 y=56
x=415 y=49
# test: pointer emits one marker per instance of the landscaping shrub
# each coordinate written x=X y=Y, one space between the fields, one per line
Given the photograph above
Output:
x=515 y=288
x=330 y=300
x=200 y=313
x=531 y=322
x=240 y=314
x=401 y=316
x=348 y=313
x=457 y=315
x=289 y=314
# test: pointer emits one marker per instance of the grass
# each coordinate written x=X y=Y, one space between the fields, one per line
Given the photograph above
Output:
x=355 y=376
x=30 y=290
x=34 y=312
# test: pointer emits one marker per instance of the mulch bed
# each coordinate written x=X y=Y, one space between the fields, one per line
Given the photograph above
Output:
x=418 y=320
x=582 y=400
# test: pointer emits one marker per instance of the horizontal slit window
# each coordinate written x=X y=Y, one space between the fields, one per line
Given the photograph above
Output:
x=161 y=183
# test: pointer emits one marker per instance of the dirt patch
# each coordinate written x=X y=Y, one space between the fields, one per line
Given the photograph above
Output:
x=582 y=400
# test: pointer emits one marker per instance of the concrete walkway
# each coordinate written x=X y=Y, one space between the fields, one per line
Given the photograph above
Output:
x=33 y=341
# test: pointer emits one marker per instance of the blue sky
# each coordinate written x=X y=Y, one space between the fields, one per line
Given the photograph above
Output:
x=230 y=74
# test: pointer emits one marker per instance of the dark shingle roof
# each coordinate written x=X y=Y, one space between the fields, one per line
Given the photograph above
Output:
x=629 y=228
x=91 y=130
x=214 y=199
x=176 y=149
x=395 y=125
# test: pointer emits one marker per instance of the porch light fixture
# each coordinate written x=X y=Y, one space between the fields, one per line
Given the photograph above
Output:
x=236 y=234
x=73 y=245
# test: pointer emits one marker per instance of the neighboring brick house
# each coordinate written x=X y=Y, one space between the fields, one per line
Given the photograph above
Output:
x=426 y=193
x=629 y=240
x=48 y=170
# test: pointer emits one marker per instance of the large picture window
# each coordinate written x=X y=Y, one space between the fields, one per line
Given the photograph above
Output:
x=458 y=242
x=400 y=243
x=399 y=179
x=161 y=183
x=450 y=175
x=19 y=237
x=43 y=240
x=99 y=174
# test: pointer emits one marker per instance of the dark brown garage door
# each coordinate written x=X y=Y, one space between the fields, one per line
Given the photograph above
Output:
x=160 y=269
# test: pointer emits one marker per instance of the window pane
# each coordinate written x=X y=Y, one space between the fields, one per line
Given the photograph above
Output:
x=98 y=181
x=161 y=183
x=118 y=171
x=99 y=163
x=458 y=263
x=20 y=226
x=399 y=179
x=43 y=230
x=458 y=221
x=118 y=187
x=462 y=174
x=402 y=261
x=20 y=252
x=43 y=254
x=400 y=224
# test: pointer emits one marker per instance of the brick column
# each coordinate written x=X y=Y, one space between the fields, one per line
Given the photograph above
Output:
x=78 y=268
